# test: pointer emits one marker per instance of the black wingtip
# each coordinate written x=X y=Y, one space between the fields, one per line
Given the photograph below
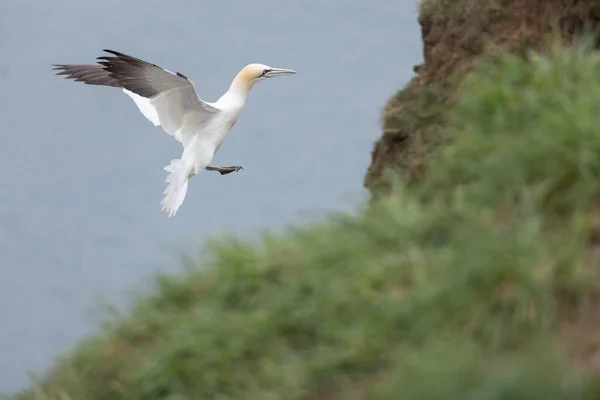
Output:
x=116 y=53
x=60 y=68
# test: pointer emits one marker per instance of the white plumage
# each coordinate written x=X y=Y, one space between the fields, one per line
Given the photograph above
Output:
x=169 y=100
x=145 y=107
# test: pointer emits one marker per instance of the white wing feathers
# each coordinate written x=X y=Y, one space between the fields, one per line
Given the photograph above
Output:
x=181 y=113
x=173 y=96
x=145 y=107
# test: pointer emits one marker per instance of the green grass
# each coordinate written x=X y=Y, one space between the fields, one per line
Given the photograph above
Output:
x=458 y=287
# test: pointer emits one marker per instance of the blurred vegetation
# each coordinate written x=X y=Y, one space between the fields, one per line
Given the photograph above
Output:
x=480 y=282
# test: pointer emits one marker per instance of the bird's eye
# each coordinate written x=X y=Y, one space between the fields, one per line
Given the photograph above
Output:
x=266 y=71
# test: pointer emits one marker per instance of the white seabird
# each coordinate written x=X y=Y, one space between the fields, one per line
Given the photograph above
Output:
x=169 y=99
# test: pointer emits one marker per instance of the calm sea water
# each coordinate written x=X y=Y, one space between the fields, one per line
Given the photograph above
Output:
x=81 y=176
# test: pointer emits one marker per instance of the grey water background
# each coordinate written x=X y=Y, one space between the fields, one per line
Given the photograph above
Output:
x=81 y=176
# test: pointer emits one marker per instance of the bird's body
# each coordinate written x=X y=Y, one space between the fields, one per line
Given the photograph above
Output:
x=169 y=100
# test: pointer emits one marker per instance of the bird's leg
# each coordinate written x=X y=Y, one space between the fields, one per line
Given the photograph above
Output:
x=225 y=170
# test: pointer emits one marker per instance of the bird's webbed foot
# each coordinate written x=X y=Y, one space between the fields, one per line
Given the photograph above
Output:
x=225 y=170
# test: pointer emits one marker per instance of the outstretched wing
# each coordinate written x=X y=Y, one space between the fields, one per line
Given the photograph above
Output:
x=167 y=99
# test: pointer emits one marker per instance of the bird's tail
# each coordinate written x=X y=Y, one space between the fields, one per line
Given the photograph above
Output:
x=177 y=183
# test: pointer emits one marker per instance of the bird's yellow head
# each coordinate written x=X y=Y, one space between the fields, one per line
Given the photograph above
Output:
x=253 y=73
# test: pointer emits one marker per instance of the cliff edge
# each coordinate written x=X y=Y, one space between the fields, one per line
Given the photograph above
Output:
x=455 y=34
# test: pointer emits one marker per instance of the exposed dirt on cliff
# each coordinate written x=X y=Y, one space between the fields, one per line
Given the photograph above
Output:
x=455 y=33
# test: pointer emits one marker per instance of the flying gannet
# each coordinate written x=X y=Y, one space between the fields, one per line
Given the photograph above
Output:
x=169 y=99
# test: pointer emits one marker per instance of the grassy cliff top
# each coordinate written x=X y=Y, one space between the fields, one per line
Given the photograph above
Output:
x=480 y=282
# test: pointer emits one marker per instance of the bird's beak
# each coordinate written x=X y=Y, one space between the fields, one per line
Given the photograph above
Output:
x=279 y=72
